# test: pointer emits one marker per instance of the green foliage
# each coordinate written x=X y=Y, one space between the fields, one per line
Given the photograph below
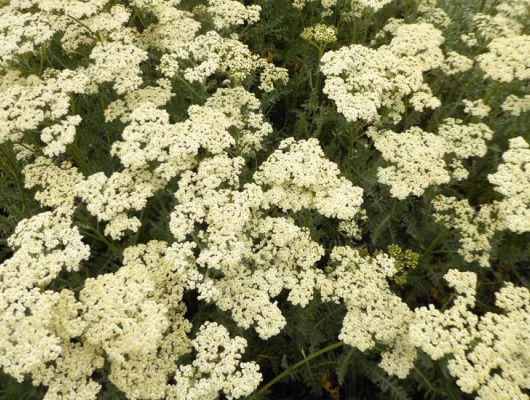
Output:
x=345 y=363
x=424 y=250
x=388 y=384
x=10 y=389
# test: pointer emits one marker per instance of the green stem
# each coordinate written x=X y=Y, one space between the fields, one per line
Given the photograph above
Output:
x=367 y=20
x=99 y=236
x=80 y=160
x=12 y=167
x=435 y=242
x=137 y=234
x=41 y=53
x=294 y=367
x=94 y=34
x=197 y=240
x=95 y=237
x=492 y=91
x=137 y=14
x=190 y=88
x=446 y=303
x=315 y=89
x=433 y=390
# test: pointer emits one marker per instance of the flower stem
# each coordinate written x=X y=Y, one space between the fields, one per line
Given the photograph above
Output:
x=294 y=367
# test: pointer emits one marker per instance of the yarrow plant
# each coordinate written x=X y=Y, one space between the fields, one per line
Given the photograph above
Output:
x=199 y=200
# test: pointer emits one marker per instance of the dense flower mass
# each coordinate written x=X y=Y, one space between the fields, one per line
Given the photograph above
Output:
x=361 y=81
x=200 y=199
x=374 y=313
x=417 y=157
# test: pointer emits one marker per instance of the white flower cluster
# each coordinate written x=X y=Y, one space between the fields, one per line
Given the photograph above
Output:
x=361 y=81
x=515 y=106
x=498 y=367
x=469 y=39
x=512 y=212
x=211 y=53
x=247 y=123
x=489 y=355
x=56 y=182
x=59 y=135
x=76 y=8
x=23 y=32
x=136 y=325
x=507 y=59
x=456 y=63
x=441 y=333
x=271 y=75
x=512 y=180
x=374 y=313
x=111 y=198
x=254 y=257
x=26 y=340
x=476 y=228
x=435 y=16
x=154 y=151
x=227 y=13
x=298 y=176
x=416 y=157
x=114 y=56
x=45 y=244
x=418 y=42
x=122 y=108
x=217 y=368
x=476 y=108
x=26 y=103
x=100 y=26
x=117 y=62
x=357 y=6
x=150 y=140
x=173 y=30
x=69 y=377
x=136 y=316
x=33 y=322
x=464 y=141
x=506 y=20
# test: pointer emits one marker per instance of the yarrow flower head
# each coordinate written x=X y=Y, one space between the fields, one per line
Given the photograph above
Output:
x=373 y=311
x=361 y=81
x=515 y=106
x=484 y=353
x=512 y=180
x=356 y=6
x=227 y=13
x=476 y=108
x=416 y=159
x=464 y=141
x=299 y=176
x=456 y=63
x=217 y=368
x=254 y=258
x=418 y=42
x=45 y=244
x=506 y=60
